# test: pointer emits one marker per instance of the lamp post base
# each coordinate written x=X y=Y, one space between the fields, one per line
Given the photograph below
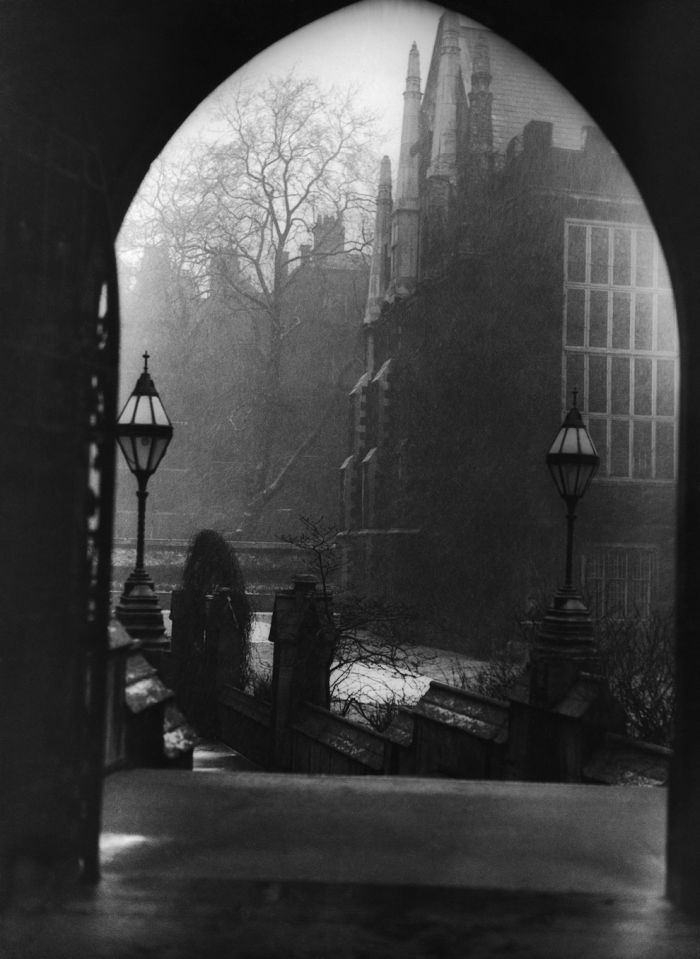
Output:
x=564 y=647
x=139 y=611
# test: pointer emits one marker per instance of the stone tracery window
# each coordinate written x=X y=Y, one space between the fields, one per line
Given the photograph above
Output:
x=620 y=580
x=620 y=346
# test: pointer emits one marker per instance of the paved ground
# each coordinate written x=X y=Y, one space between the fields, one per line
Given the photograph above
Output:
x=266 y=865
x=272 y=826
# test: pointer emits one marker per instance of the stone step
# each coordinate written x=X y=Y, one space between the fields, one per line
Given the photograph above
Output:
x=217 y=757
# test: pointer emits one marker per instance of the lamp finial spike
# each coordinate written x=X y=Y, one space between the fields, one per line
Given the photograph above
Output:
x=575 y=393
x=145 y=361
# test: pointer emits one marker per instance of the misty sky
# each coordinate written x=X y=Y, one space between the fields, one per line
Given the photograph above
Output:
x=365 y=46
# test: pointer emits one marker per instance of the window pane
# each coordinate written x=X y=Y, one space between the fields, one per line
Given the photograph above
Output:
x=593 y=585
x=615 y=582
x=665 y=458
x=662 y=277
x=645 y=259
x=574 y=373
x=599 y=254
x=615 y=599
x=597 y=384
x=642 y=450
x=622 y=258
x=619 y=448
x=576 y=266
x=642 y=322
x=620 y=384
x=598 y=330
x=604 y=328
x=642 y=387
x=666 y=323
x=665 y=388
x=640 y=566
x=575 y=300
x=598 y=428
x=641 y=597
x=621 y=321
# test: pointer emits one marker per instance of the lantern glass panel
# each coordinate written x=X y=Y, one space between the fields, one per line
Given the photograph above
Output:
x=128 y=411
x=143 y=416
x=159 y=415
x=568 y=444
x=160 y=445
x=126 y=444
x=142 y=448
x=569 y=477
x=586 y=444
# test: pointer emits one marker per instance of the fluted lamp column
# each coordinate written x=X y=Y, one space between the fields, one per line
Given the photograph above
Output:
x=565 y=643
x=144 y=432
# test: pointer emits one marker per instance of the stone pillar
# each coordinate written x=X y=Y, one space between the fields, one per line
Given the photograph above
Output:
x=302 y=631
x=225 y=640
x=179 y=632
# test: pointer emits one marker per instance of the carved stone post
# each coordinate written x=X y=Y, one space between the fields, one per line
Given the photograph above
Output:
x=302 y=631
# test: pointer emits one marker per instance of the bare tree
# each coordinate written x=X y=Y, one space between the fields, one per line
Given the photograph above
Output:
x=638 y=661
x=373 y=660
x=237 y=215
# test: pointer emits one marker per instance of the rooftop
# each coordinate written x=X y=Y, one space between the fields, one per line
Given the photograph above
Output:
x=521 y=89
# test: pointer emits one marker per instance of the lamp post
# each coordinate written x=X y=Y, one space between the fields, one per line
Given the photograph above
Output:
x=564 y=643
x=143 y=433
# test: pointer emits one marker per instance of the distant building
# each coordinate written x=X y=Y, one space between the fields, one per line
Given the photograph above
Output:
x=514 y=263
x=209 y=366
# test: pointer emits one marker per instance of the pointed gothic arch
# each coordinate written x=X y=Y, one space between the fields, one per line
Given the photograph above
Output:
x=59 y=73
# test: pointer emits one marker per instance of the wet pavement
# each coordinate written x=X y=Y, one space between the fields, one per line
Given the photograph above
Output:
x=268 y=865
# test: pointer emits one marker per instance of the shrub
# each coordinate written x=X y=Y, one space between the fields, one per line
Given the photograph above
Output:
x=369 y=634
x=211 y=562
x=498 y=675
x=637 y=659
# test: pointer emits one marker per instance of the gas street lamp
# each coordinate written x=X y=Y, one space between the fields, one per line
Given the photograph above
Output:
x=564 y=645
x=573 y=462
x=143 y=433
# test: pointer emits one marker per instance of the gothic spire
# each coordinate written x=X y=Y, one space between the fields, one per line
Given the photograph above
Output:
x=379 y=266
x=404 y=239
x=444 y=146
x=407 y=179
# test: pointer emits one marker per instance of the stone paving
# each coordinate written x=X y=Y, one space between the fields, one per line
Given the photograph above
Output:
x=267 y=865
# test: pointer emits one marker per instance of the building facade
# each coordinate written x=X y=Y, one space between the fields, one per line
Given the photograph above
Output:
x=514 y=262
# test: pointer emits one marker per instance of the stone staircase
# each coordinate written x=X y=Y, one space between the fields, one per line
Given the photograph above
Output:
x=215 y=757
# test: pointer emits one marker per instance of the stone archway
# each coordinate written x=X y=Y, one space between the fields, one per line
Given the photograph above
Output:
x=101 y=76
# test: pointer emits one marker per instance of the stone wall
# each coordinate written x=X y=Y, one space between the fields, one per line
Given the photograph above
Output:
x=450 y=732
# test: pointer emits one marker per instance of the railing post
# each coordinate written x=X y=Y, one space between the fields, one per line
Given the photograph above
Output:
x=302 y=632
